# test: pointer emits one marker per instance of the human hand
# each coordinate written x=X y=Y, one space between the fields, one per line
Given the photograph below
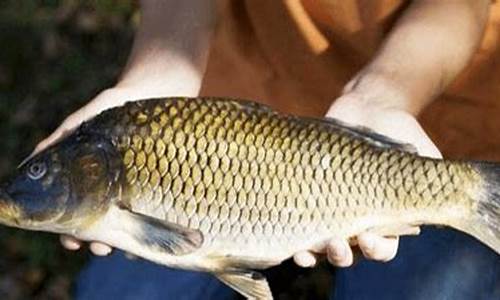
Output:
x=105 y=100
x=392 y=122
x=166 y=60
x=131 y=91
x=349 y=109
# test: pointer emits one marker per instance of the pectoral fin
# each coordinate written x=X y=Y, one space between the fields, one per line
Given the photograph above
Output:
x=159 y=234
x=251 y=284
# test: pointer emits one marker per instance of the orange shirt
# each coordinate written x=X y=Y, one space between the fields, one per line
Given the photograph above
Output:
x=297 y=55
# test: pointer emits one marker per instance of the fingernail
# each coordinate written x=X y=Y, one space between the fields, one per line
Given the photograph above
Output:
x=309 y=262
x=339 y=252
x=305 y=260
x=368 y=243
x=99 y=249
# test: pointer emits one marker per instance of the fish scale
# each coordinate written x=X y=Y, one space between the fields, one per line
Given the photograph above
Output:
x=226 y=165
x=229 y=186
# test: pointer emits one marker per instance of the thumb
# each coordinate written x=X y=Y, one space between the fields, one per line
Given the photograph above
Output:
x=415 y=135
x=404 y=128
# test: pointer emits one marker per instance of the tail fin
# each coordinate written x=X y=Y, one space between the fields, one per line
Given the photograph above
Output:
x=485 y=224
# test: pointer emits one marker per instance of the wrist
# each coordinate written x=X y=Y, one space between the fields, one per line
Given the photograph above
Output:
x=368 y=97
x=174 y=77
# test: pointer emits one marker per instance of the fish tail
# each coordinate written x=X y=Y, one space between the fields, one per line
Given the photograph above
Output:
x=484 y=222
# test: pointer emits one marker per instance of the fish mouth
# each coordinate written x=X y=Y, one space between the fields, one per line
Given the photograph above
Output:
x=10 y=213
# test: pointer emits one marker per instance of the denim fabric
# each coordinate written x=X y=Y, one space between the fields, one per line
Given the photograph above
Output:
x=117 y=277
x=438 y=264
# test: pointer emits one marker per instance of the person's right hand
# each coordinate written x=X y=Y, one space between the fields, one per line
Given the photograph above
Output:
x=166 y=60
x=107 y=99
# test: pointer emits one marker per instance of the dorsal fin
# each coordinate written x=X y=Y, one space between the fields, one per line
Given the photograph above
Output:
x=360 y=132
x=368 y=135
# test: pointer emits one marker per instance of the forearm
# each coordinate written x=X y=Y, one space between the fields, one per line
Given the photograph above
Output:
x=171 y=48
x=168 y=58
x=427 y=48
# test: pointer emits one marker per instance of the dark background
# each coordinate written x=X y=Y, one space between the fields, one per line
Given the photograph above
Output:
x=54 y=57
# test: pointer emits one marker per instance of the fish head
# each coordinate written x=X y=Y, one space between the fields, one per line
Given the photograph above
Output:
x=62 y=189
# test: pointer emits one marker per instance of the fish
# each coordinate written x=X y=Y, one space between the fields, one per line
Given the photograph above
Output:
x=232 y=187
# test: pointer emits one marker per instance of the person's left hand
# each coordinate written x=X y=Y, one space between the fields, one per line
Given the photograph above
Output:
x=394 y=123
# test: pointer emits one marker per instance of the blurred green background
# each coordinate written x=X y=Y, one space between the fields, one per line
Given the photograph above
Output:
x=54 y=57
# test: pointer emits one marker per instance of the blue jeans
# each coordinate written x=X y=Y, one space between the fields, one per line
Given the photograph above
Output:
x=438 y=264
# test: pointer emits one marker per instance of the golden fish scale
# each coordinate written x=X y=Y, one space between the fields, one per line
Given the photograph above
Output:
x=246 y=176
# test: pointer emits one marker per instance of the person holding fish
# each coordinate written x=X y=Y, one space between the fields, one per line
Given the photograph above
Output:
x=383 y=61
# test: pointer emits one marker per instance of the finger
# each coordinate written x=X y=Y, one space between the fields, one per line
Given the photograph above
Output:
x=423 y=143
x=42 y=145
x=67 y=125
x=428 y=149
x=70 y=243
x=410 y=230
x=403 y=229
x=45 y=143
x=305 y=259
x=100 y=249
x=378 y=248
x=339 y=253
x=55 y=136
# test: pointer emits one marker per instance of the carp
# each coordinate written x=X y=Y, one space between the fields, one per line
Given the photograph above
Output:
x=231 y=187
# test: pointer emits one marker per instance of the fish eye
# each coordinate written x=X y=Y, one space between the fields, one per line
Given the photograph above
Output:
x=37 y=170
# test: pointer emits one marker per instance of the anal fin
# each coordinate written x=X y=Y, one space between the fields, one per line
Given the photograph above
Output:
x=251 y=284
